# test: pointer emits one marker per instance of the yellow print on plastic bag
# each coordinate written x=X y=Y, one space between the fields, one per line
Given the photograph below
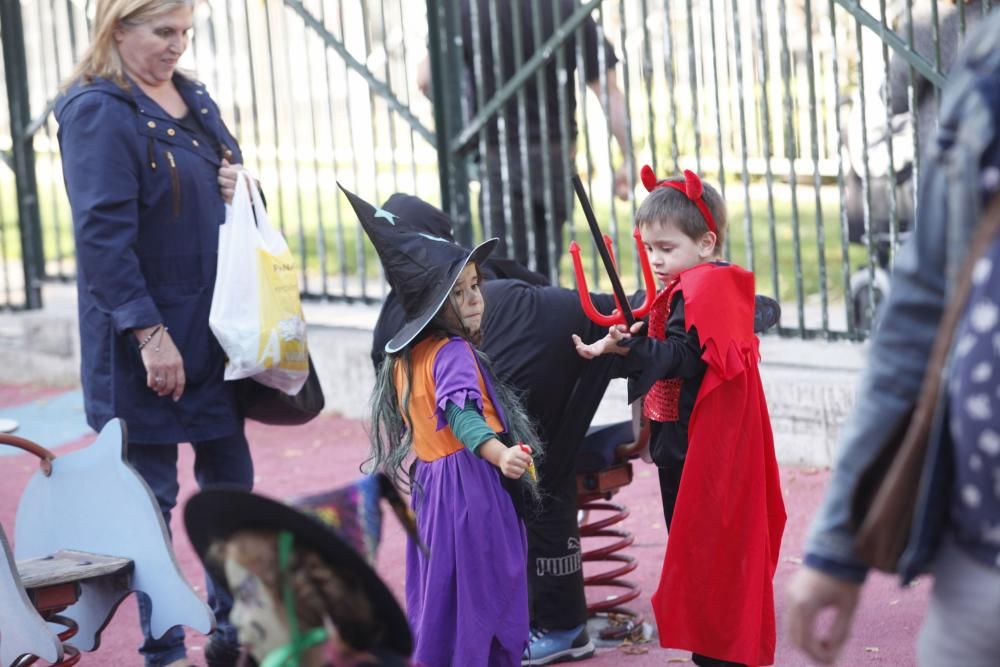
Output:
x=282 y=328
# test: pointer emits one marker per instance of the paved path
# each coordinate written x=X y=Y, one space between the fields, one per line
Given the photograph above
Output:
x=327 y=453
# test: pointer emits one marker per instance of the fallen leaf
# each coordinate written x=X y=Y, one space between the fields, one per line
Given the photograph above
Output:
x=678 y=660
x=893 y=603
x=872 y=649
x=633 y=649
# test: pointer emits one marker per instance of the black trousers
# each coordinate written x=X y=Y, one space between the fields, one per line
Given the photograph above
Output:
x=555 y=569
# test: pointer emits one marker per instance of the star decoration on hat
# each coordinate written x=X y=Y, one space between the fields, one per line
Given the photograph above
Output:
x=385 y=215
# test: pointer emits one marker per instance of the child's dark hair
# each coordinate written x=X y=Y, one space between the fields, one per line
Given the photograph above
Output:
x=667 y=205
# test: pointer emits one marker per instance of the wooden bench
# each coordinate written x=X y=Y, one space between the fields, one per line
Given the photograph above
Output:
x=49 y=584
x=53 y=582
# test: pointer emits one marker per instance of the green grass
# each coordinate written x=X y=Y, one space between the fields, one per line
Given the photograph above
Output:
x=341 y=235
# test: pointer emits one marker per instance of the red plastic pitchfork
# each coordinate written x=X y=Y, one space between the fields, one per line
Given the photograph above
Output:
x=623 y=314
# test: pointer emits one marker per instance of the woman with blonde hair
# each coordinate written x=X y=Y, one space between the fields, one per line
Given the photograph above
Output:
x=149 y=166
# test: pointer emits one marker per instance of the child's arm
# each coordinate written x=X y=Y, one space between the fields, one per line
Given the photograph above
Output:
x=677 y=356
x=512 y=461
x=471 y=428
x=610 y=344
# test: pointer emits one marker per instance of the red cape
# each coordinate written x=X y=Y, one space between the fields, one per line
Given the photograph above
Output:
x=715 y=595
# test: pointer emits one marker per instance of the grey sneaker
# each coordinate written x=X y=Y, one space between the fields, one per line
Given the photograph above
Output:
x=548 y=646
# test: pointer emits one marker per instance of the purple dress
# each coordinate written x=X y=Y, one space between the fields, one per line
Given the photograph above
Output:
x=467 y=600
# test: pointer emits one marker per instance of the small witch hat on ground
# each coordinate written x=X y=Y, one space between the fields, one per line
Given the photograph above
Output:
x=343 y=527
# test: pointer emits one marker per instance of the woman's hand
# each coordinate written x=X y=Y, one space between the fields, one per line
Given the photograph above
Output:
x=163 y=362
x=512 y=461
x=623 y=176
x=228 y=173
x=609 y=343
x=811 y=594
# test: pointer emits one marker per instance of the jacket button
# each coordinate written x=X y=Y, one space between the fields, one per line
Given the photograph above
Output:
x=204 y=110
x=194 y=141
x=150 y=124
x=199 y=92
x=171 y=131
x=228 y=153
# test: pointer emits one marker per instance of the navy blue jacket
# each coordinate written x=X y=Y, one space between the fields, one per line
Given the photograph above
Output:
x=146 y=213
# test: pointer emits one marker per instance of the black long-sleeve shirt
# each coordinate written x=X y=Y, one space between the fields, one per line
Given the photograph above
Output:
x=677 y=356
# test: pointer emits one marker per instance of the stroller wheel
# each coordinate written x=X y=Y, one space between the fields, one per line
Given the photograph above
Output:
x=866 y=296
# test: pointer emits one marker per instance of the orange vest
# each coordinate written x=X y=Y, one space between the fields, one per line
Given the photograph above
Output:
x=429 y=443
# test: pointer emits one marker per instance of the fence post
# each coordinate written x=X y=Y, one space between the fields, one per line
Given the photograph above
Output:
x=19 y=105
x=444 y=37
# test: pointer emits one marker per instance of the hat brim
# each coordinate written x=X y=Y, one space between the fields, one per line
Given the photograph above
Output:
x=216 y=514
x=413 y=327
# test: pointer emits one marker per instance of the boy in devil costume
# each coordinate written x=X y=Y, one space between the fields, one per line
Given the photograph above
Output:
x=708 y=420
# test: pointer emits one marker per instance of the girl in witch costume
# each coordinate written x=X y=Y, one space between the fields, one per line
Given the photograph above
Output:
x=708 y=419
x=301 y=574
x=435 y=397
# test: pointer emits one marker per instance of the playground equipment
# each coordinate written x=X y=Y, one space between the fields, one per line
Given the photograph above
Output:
x=603 y=468
x=88 y=532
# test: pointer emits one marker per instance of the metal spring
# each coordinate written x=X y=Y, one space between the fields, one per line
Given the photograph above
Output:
x=71 y=654
x=611 y=578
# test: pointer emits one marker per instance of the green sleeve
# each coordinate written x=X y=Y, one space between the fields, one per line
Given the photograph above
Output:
x=468 y=425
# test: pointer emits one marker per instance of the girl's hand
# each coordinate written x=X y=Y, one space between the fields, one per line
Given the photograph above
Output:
x=514 y=462
x=228 y=173
x=163 y=362
x=511 y=460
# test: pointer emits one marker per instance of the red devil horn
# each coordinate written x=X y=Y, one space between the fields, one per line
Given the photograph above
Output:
x=692 y=185
x=648 y=177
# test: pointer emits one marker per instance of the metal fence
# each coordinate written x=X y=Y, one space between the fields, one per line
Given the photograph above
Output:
x=782 y=104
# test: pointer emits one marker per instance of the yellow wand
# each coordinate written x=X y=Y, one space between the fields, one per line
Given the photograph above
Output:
x=531 y=466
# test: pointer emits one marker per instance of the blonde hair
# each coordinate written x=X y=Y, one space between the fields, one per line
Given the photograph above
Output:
x=102 y=58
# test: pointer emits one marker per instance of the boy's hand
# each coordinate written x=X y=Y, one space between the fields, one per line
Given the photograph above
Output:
x=609 y=343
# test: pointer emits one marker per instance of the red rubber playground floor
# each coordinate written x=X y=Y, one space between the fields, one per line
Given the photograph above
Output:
x=327 y=452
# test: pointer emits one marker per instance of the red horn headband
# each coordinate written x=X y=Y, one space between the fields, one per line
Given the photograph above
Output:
x=691 y=187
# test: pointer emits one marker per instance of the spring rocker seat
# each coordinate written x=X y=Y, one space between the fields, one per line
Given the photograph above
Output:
x=88 y=532
x=603 y=468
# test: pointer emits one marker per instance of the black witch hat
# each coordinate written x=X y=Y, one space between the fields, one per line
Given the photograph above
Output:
x=418 y=215
x=421 y=268
x=343 y=526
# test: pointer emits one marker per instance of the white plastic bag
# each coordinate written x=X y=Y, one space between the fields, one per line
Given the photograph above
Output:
x=256 y=314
